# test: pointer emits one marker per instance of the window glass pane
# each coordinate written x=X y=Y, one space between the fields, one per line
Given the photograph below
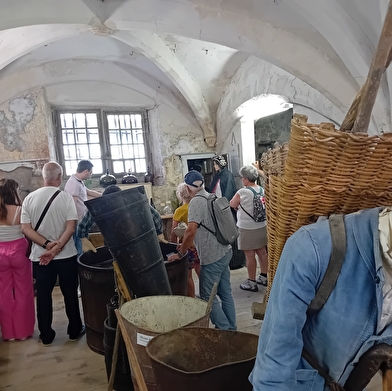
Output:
x=139 y=150
x=95 y=151
x=124 y=121
x=93 y=136
x=112 y=121
x=114 y=137
x=140 y=165
x=66 y=120
x=82 y=152
x=136 y=120
x=118 y=166
x=138 y=136
x=81 y=136
x=69 y=152
x=97 y=169
x=126 y=136
x=70 y=167
x=68 y=136
x=129 y=166
x=91 y=120
x=127 y=151
x=79 y=120
x=116 y=152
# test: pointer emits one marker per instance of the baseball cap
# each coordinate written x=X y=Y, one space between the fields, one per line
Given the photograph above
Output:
x=194 y=178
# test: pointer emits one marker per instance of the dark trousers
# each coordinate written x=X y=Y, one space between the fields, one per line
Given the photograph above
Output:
x=46 y=276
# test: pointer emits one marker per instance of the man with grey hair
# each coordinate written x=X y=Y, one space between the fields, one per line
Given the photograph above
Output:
x=53 y=253
x=214 y=256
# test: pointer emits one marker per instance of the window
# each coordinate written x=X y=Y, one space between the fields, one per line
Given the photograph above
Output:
x=110 y=140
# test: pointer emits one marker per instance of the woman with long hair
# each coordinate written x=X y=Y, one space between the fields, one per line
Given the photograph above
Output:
x=17 y=316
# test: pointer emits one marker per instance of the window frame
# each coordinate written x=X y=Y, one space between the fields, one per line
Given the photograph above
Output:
x=103 y=132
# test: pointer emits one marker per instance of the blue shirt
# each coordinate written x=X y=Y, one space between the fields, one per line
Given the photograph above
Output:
x=346 y=326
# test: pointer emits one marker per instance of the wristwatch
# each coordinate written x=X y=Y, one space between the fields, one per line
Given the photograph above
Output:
x=46 y=243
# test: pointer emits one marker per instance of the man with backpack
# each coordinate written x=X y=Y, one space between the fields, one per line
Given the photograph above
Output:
x=353 y=316
x=204 y=213
x=251 y=221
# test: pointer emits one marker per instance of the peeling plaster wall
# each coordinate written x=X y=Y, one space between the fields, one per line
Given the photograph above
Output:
x=171 y=135
x=24 y=131
x=27 y=135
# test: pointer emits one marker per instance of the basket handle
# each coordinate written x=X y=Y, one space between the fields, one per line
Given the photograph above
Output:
x=359 y=114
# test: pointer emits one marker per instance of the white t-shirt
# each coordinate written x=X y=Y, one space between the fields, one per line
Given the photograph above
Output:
x=246 y=200
x=77 y=189
x=53 y=224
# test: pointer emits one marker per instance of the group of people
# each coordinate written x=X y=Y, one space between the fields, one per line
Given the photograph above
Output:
x=211 y=257
x=47 y=218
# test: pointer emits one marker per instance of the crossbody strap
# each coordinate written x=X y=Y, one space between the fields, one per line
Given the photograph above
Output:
x=46 y=209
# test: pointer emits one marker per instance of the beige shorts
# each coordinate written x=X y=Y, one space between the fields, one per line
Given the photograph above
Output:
x=252 y=239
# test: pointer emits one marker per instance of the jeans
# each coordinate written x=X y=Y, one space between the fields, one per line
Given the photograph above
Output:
x=222 y=314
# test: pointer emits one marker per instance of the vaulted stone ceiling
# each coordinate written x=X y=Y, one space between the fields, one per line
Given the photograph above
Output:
x=186 y=53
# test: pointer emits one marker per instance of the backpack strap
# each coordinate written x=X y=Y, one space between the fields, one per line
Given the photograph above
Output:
x=338 y=237
x=201 y=224
x=254 y=191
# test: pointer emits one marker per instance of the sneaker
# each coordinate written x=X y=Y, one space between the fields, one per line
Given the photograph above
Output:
x=262 y=280
x=82 y=332
x=249 y=285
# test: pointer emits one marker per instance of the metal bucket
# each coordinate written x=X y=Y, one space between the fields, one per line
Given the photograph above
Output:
x=146 y=317
x=97 y=286
x=194 y=359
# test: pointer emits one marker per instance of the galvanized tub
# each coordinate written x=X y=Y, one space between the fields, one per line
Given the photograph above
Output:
x=194 y=359
x=147 y=317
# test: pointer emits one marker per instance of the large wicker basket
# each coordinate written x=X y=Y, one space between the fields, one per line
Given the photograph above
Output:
x=322 y=171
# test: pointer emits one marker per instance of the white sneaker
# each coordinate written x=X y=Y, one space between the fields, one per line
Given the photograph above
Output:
x=249 y=285
x=262 y=280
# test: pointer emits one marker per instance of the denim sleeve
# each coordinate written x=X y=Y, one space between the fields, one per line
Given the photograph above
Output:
x=280 y=342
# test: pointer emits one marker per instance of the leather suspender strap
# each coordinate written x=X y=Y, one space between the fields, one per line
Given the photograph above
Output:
x=338 y=236
x=46 y=209
x=331 y=383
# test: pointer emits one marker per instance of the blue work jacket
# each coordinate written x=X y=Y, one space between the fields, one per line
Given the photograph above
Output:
x=345 y=327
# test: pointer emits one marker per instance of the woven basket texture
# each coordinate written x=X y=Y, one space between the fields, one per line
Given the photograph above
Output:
x=320 y=172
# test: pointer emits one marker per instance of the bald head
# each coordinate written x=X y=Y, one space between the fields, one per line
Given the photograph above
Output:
x=52 y=173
